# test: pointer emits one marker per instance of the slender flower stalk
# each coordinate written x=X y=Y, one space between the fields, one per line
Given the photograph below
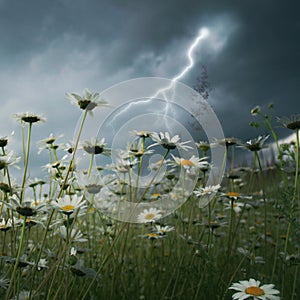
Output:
x=26 y=160
x=297 y=168
x=13 y=274
x=91 y=164
x=264 y=198
x=289 y=227
x=155 y=175
x=229 y=238
x=73 y=153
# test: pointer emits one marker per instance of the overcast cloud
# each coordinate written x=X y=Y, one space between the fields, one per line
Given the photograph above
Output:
x=51 y=47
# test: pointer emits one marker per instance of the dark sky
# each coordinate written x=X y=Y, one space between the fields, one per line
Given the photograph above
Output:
x=47 y=48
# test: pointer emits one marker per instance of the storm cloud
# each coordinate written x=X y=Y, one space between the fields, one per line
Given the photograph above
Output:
x=47 y=48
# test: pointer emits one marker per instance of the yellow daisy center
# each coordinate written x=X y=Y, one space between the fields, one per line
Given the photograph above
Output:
x=139 y=153
x=152 y=234
x=187 y=162
x=68 y=207
x=149 y=216
x=254 y=291
x=156 y=195
x=233 y=194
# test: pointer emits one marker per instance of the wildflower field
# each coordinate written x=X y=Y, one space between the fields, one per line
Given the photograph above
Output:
x=62 y=236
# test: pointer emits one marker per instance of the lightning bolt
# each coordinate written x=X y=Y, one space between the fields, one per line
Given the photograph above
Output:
x=203 y=33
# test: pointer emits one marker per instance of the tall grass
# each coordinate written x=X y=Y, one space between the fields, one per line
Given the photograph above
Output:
x=250 y=229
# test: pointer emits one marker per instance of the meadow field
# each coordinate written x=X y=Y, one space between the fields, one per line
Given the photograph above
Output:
x=62 y=238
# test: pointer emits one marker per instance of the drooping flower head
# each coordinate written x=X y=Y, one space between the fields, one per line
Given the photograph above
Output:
x=4 y=140
x=207 y=190
x=9 y=159
x=229 y=141
x=292 y=123
x=96 y=147
x=29 y=118
x=203 y=146
x=49 y=143
x=256 y=144
x=142 y=133
x=88 y=100
x=27 y=208
x=168 y=142
x=163 y=230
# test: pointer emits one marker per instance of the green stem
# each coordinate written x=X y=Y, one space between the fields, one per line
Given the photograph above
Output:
x=155 y=175
x=264 y=198
x=73 y=154
x=26 y=162
x=12 y=278
x=230 y=230
x=238 y=268
x=294 y=283
x=297 y=167
x=91 y=164
x=23 y=138
x=275 y=251
x=210 y=230
x=232 y=157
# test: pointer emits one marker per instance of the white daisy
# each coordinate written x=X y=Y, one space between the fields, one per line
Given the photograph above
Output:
x=149 y=216
x=28 y=117
x=4 y=140
x=73 y=251
x=203 y=146
x=5 y=225
x=237 y=206
x=42 y=264
x=252 y=288
x=168 y=142
x=193 y=162
x=92 y=184
x=4 y=283
x=235 y=196
x=210 y=189
x=163 y=230
x=142 y=133
x=49 y=143
x=68 y=205
x=27 y=208
x=123 y=165
x=256 y=144
x=75 y=234
x=137 y=149
x=95 y=147
x=87 y=101
x=152 y=236
x=292 y=123
x=23 y=295
x=9 y=159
